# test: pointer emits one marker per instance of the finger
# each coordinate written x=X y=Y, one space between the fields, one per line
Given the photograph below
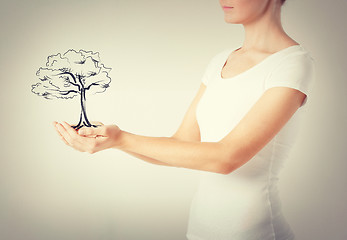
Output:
x=77 y=142
x=99 y=131
x=62 y=138
x=55 y=124
x=97 y=123
x=59 y=133
x=64 y=133
x=82 y=132
x=72 y=132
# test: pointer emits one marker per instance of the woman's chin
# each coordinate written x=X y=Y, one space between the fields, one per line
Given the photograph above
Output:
x=231 y=20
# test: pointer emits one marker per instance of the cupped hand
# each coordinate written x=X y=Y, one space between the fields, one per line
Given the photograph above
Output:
x=87 y=139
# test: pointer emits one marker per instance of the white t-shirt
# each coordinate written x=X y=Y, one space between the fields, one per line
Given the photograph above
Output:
x=244 y=205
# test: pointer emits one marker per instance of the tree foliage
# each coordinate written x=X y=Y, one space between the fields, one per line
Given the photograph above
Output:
x=71 y=74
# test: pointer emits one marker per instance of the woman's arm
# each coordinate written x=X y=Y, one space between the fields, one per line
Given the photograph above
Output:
x=174 y=152
x=255 y=130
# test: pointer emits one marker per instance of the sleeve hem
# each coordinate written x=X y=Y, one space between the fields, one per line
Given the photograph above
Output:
x=292 y=87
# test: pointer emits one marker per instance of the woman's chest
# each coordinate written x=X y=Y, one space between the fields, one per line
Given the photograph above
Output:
x=239 y=63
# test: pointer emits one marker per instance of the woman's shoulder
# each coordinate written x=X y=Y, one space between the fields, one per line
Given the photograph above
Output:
x=299 y=53
x=224 y=53
x=220 y=56
x=293 y=68
x=295 y=57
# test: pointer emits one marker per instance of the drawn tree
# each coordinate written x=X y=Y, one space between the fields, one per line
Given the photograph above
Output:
x=73 y=74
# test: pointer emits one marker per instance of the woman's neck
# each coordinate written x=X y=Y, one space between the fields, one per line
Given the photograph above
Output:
x=266 y=34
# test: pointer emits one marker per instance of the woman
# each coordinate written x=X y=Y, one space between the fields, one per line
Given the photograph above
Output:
x=238 y=129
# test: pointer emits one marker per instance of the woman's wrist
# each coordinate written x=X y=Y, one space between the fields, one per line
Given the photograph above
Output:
x=120 y=140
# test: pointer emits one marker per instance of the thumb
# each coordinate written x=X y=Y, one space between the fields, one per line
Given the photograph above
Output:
x=91 y=132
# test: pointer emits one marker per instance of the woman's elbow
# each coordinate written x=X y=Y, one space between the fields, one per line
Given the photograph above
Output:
x=231 y=162
x=226 y=159
x=220 y=167
x=225 y=168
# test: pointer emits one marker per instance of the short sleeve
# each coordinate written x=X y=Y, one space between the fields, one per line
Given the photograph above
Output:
x=295 y=71
x=207 y=75
x=209 y=71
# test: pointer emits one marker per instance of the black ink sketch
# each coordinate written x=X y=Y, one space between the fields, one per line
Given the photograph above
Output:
x=73 y=74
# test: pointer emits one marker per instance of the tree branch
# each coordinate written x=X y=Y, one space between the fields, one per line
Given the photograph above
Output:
x=70 y=91
x=63 y=92
x=93 y=84
x=71 y=75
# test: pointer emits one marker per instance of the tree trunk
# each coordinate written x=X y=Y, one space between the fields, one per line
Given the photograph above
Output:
x=84 y=122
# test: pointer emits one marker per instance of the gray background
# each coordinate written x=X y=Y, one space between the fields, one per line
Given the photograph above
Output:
x=158 y=51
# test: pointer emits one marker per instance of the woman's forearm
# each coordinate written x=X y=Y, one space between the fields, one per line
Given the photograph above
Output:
x=147 y=159
x=206 y=156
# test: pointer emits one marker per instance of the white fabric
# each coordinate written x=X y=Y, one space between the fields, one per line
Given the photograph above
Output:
x=244 y=205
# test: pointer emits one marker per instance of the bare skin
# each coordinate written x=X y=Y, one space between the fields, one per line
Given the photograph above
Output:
x=264 y=35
